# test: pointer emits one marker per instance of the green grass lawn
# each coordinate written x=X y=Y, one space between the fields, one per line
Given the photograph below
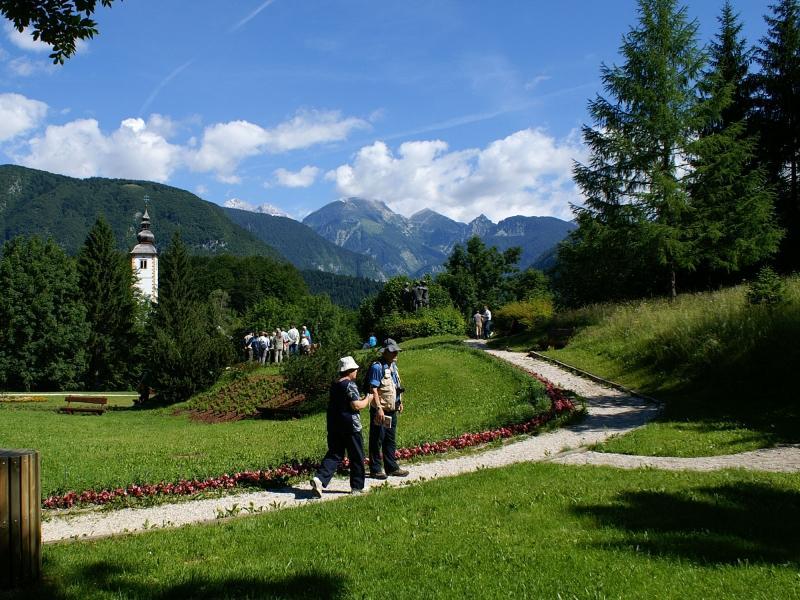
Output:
x=724 y=369
x=533 y=530
x=450 y=390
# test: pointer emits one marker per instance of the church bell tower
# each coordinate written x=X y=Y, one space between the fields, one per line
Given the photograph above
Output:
x=144 y=259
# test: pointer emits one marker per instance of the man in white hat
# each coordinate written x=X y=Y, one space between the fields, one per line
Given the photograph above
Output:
x=344 y=430
x=386 y=395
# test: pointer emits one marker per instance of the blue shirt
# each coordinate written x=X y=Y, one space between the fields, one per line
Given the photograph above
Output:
x=373 y=341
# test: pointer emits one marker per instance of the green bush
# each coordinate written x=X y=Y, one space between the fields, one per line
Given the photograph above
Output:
x=423 y=323
x=312 y=374
x=767 y=288
x=240 y=391
x=523 y=315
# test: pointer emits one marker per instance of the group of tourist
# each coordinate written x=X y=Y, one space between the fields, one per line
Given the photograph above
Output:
x=384 y=396
x=272 y=346
x=483 y=323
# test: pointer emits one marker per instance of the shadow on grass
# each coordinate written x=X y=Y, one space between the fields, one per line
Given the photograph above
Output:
x=104 y=577
x=726 y=524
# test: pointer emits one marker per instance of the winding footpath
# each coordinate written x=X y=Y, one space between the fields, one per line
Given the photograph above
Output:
x=609 y=412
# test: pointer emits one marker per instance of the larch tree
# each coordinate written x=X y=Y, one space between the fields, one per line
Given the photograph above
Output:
x=636 y=175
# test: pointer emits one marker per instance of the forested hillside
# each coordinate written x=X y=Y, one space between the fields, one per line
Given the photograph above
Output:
x=64 y=208
x=304 y=247
x=343 y=290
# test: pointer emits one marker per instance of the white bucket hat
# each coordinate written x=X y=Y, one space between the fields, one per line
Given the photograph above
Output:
x=347 y=363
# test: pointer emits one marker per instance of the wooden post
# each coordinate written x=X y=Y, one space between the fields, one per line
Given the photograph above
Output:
x=20 y=518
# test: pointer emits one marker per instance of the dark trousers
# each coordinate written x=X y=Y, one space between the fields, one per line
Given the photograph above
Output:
x=340 y=442
x=382 y=439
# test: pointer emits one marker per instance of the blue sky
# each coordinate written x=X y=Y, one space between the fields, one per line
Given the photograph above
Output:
x=465 y=107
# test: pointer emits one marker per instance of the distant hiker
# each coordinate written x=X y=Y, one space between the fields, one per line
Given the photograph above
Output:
x=344 y=430
x=305 y=345
x=478 y=319
x=294 y=339
x=285 y=339
x=487 y=322
x=248 y=346
x=277 y=347
x=386 y=404
x=373 y=341
x=306 y=332
x=263 y=347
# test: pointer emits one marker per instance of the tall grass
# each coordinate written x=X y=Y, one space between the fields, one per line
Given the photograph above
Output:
x=696 y=337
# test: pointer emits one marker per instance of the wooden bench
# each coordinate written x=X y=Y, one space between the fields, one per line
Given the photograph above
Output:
x=99 y=404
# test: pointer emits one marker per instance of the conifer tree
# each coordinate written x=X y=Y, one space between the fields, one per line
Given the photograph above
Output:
x=106 y=281
x=635 y=176
x=732 y=215
x=777 y=103
x=726 y=79
x=187 y=351
x=43 y=328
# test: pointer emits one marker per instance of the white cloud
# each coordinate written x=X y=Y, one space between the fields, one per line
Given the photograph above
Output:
x=225 y=145
x=201 y=190
x=297 y=179
x=79 y=148
x=19 y=114
x=310 y=127
x=528 y=173
x=25 y=67
x=24 y=40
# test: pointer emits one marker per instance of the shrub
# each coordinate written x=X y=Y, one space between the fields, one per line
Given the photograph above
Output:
x=523 y=315
x=423 y=323
x=312 y=374
x=767 y=288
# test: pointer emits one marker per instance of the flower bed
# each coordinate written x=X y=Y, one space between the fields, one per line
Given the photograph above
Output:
x=560 y=405
x=20 y=399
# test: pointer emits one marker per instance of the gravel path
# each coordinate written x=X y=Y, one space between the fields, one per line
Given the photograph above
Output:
x=610 y=412
x=782 y=459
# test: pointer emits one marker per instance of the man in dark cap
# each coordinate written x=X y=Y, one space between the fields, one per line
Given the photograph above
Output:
x=386 y=405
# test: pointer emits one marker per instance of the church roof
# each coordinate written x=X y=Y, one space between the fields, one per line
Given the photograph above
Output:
x=145 y=237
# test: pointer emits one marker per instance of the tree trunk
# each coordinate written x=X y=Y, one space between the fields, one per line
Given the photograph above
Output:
x=673 y=287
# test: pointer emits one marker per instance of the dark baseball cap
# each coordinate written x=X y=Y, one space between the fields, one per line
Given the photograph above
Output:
x=389 y=345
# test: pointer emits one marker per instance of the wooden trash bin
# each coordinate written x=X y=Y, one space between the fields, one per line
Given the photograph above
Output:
x=20 y=518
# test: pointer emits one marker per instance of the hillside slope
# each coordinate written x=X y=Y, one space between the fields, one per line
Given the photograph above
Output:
x=304 y=247
x=64 y=208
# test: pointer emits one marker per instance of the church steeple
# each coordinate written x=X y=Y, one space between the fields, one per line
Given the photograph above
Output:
x=144 y=258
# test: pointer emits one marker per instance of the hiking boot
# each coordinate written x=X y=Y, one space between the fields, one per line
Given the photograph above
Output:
x=316 y=487
x=378 y=475
x=356 y=492
x=399 y=473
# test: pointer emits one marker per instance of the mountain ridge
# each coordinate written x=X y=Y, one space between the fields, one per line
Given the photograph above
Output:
x=422 y=242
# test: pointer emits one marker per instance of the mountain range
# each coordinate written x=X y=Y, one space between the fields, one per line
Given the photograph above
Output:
x=421 y=243
x=355 y=237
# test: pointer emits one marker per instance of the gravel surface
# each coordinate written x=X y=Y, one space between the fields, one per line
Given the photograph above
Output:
x=610 y=412
x=782 y=459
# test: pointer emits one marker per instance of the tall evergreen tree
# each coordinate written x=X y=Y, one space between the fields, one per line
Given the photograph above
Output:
x=638 y=147
x=732 y=215
x=777 y=104
x=43 y=328
x=187 y=351
x=726 y=79
x=106 y=281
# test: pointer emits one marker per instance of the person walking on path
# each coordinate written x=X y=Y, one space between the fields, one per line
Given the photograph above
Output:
x=386 y=395
x=478 y=319
x=487 y=323
x=344 y=430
